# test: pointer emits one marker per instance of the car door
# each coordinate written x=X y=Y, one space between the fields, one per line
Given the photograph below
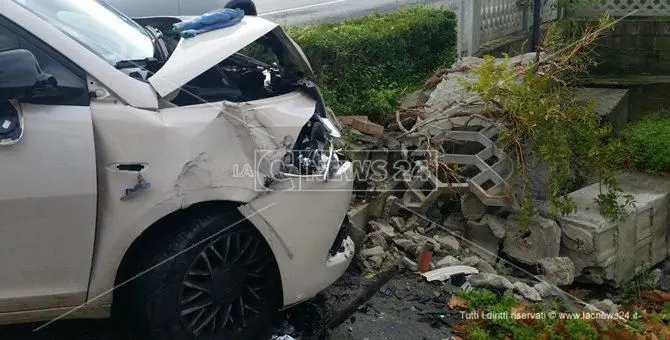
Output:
x=48 y=189
x=145 y=8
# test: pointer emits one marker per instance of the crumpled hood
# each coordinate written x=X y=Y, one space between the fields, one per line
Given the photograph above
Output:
x=194 y=56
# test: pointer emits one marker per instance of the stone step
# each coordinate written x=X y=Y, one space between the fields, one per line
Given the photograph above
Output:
x=605 y=252
x=611 y=105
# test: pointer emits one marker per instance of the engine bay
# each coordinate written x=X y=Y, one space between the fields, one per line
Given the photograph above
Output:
x=268 y=67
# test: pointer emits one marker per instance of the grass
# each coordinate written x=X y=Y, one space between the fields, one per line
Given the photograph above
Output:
x=645 y=145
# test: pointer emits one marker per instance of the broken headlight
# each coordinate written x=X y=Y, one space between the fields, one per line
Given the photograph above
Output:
x=314 y=151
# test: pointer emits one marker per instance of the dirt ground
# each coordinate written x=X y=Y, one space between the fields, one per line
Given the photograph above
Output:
x=405 y=308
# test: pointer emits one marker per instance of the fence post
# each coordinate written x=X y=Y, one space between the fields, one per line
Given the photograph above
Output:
x=459 y=37
x=473 y=25
x=524 y=16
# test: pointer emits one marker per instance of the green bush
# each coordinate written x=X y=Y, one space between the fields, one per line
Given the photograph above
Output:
x=364 y=65
x=646 y=145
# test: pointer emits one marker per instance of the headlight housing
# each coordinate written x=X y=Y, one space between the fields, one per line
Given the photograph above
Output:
x=314 y=151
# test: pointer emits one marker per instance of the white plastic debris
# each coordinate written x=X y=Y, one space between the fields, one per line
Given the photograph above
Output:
x=283 y=337
x=443 y=274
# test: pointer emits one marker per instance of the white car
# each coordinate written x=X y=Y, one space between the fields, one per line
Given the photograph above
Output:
x=191 y=185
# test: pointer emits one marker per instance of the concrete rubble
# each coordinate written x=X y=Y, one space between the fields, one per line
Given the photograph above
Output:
x=493 y=281
x=470 y=217
x=559 y=270
x=540 y=238
x=606 y=306
x=527 y=291
x=394 y=233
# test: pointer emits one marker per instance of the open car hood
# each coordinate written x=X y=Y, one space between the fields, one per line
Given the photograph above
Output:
x=194 y=56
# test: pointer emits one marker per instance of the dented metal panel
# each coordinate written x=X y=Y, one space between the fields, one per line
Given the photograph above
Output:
x=191 y=154
x=194 y=56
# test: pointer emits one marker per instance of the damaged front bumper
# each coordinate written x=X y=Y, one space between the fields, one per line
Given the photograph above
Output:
x=302 y=220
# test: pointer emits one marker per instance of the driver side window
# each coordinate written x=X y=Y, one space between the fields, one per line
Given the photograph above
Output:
x=8 y=40
x=70 y=79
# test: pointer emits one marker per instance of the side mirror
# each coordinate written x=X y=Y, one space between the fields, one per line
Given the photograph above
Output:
x=21 y=76
x=247 y=6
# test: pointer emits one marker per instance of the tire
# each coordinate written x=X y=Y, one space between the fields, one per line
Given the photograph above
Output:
x=221 y=281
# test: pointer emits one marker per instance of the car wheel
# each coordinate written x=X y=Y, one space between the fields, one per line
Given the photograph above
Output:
x=220 y=282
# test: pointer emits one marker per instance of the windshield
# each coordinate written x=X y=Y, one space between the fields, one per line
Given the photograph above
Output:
x=97 y=26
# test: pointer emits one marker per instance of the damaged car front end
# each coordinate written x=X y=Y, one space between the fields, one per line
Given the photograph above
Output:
x=266 y=91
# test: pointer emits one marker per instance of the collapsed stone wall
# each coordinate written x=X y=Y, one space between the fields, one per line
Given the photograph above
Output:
x=472 y=213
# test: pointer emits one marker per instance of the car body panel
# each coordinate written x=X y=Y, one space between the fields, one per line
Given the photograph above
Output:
x=191 y=154
x=196 y=55
x=48 y=204
x=296 y=212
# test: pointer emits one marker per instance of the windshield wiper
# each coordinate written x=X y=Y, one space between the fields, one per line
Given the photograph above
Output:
x=138 y=63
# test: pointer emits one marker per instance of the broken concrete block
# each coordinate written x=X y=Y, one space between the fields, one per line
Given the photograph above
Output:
x=543 y=288
x=448 y=242
x=472 y=207
x=486 y=280
x=414 y=222
x=611 y=105
x=374 y=251
x=406 y=245
x=612 y=253
x=605 y=306
x=656 y=276
x=484 y=267
x=413 y=99
x=375 y=261
x=448 y=261
x=483 y=241
x=496 y=224
x=367 y=128
x=399 y=224
x=409 y=264
x=421 y=240
x=348 y=120
x=375 y=239
x=527 y=291
x=391 y=206
x=383 y=228
x=471 y=261
x=560 y=270
x=450 y=91
x=455 y=222
x=541 y=238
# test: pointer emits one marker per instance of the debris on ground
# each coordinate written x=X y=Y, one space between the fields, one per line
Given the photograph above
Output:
x=455 y=195
x=445 y=273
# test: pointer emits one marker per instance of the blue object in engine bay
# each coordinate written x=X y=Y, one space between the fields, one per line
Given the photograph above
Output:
x=209 y=21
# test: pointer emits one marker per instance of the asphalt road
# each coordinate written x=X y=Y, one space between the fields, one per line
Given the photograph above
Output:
x=308 y=11
x=287 y=12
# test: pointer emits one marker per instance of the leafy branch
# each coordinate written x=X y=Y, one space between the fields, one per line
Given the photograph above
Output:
x=539 y=119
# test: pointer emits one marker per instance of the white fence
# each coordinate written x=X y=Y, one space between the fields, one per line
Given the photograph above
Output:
x=481 y=21
x=621 y=8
